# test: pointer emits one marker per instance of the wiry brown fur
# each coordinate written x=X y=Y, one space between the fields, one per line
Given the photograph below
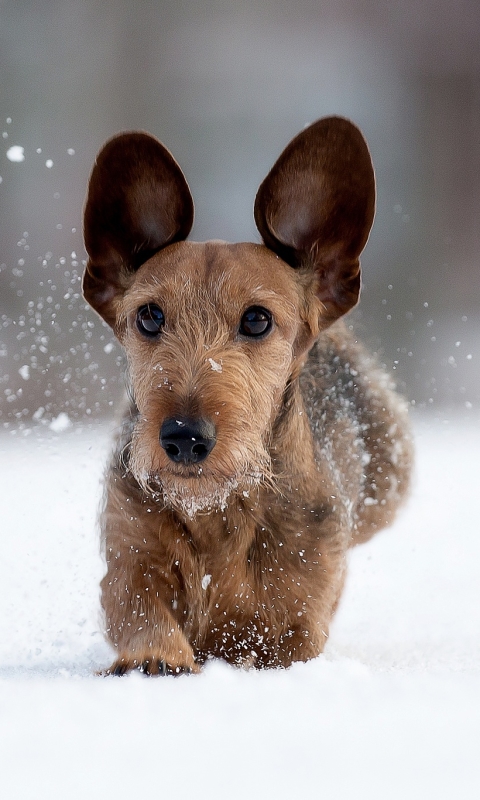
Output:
x=242 y=557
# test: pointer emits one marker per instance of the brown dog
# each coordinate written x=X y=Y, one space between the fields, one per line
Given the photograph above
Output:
x=261 y=441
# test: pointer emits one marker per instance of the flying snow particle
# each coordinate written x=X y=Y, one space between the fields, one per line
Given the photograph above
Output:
x=16 y=153
x=24 y=372
x=108 y=347
x=49 y=163
x=60 y=423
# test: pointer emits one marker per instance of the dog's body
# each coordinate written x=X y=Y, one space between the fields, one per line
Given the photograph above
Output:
x=261 y=441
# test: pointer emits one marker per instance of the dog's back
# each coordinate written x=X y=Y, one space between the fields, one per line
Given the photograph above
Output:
x=360 y=427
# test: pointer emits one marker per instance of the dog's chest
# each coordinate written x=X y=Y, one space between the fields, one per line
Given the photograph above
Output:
x=242 y=569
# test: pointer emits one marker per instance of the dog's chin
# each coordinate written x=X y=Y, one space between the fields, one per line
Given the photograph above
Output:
x=189 y=497
x=197 y=494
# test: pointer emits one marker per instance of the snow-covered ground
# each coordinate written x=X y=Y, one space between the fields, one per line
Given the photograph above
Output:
x=391 y=710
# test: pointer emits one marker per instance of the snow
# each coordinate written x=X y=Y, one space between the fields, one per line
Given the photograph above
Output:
x=215 y=365
x=16 y=153
x=206 y=580
x=391 y=710
x=60 y=423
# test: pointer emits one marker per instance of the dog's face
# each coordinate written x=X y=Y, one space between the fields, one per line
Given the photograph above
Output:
x=210 y=331
x=214 y=332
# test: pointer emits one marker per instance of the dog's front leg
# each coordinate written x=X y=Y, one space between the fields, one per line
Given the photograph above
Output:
x=140 y=625
x=298 y=581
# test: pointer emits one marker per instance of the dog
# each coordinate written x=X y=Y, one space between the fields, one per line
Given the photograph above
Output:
x=260 y=440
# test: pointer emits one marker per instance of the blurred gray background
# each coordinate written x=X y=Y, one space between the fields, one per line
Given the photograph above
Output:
x=225 y=84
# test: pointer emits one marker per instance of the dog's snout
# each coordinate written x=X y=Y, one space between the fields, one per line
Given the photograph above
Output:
x=187 y=440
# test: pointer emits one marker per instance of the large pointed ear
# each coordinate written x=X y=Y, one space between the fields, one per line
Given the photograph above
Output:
x=138 y=201
x=316 y=206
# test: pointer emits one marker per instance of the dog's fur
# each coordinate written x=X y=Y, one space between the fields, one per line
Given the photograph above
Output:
x=243 y=556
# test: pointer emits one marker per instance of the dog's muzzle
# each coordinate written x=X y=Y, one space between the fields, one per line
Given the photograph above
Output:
x=187 y=441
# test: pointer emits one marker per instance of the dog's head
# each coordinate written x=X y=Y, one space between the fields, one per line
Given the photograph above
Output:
x=214 y=332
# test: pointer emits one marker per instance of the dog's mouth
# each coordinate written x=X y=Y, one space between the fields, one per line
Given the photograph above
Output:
x=188 y=472
x=189 y=493
x=193 y=490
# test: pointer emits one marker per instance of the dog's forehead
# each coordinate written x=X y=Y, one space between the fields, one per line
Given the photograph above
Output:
x=220 y=268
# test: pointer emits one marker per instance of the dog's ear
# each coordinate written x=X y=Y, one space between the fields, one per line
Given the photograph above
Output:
x=316 y=206
x=138 y=201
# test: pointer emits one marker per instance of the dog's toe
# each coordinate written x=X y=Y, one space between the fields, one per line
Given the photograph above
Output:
x=161 y=667
x=118 y=668
x=153 y=667
x=149 y=666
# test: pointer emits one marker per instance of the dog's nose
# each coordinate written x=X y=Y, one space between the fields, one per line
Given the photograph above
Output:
x=187 y=440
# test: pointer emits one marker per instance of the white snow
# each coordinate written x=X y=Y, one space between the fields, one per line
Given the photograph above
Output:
x=61 y=423
x=215 y=365
x=16 y=153
x=391 y=710
x=206 y=581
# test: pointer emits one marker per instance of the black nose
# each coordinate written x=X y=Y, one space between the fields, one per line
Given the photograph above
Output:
x=187 y=440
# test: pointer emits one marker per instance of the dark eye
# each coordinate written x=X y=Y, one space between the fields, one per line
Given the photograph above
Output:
x=256 y=321
x=150 y=320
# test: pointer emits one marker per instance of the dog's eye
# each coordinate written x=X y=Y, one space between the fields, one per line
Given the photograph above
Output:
x=256 y=321
x=150 y=320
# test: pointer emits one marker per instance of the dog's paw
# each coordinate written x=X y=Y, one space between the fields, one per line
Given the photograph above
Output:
x=148 y=666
